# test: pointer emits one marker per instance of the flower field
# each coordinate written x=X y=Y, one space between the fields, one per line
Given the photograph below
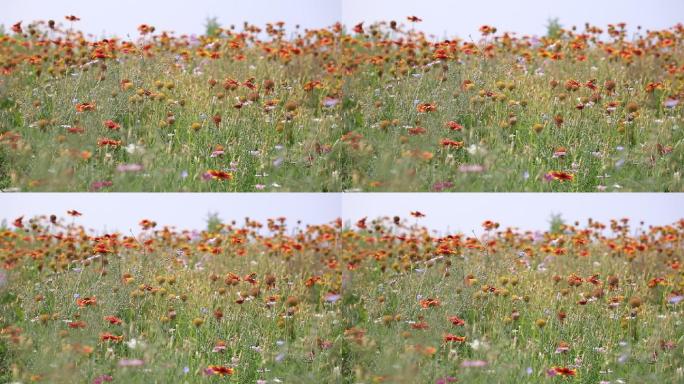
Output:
x=371 y=301
x=379 y=107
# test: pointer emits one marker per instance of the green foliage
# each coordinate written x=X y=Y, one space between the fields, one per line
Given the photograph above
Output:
x=5 y=180
x=214 y=223
x=212 y=27
x=556 y=223
x=554 y=29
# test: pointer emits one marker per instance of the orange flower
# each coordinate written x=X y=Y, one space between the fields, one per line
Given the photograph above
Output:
x=454 y=126
x=415 y=131
x=82 y=107
x=86 y=301
x=420 y=325
x=426 y=107
x=101 y=248
x=457 y=321
x=489 y=225
x=560 y=176
x=114 y=126
x=113 y=320
x=453 y=338
x=427 y=303
x=451 y=143
x=105 y=142
x=218 y=175
x=144 y=29
x=77 y=324
x=220 y=370
x=147 y=224
x=487 y=30
x=106 y=336
x=562 y=371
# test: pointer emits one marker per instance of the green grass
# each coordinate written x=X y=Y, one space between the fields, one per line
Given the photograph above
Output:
x=363 y=141
x=368 y=335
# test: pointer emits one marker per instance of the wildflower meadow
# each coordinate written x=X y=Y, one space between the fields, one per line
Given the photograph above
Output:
x=366 y=107
x=378 y=300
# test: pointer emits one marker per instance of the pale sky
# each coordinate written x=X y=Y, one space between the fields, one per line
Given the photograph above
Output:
x=444 y=18
x=459 y=212
x=123 y=211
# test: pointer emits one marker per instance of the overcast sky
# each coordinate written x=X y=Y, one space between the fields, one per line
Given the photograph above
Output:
x=462 y=212
x=123 y=211
x=440 y=17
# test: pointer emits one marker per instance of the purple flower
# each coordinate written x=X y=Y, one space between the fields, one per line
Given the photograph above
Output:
x=670 y=103
x=329 y=102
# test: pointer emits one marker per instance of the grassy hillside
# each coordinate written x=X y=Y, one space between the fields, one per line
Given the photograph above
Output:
x=381 y=301
x=371 y=108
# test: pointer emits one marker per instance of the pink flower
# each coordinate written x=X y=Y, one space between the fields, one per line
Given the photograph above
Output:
x=97 y=185
x=473 y=363
x=102 y=378
x=129 y=167
x=442 y=185
x=471 y=168
x=131 y=363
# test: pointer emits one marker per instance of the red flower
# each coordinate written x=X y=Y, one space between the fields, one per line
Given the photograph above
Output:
x=86 y=301
x=82 y=107
x=563 y=371
x=416 y=131
x=454 y=126
x=560 y=176
x=105 y=142
x=110 y=337
x=74 y=213
x=77 y=324
x=427 y=303
x=457 y=321
x=453 y=338
x=219 y=370
x=451 y=143
x=112 y=125
x=426 y=107
x=113 y=320
x=16 y=28
x=358 y=28
x=218 y=175
x=417 y=214
x=414 y=19
x=18 y=222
